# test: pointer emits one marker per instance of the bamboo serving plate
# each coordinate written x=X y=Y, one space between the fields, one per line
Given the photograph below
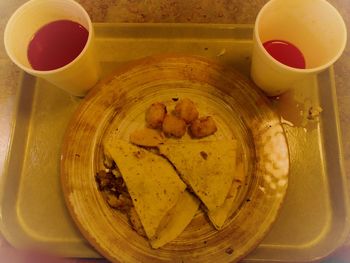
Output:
x=117 y=105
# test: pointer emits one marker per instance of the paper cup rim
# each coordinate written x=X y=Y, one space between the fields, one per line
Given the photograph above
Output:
x=46 y=72
x=307 y=70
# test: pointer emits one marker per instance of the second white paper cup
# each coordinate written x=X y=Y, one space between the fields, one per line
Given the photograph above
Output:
x=314 y=26
x=78 y=76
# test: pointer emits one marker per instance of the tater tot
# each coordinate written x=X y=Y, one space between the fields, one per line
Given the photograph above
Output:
x=186 y=110
x=174 y=126
x=155 y=115
x=203 y=127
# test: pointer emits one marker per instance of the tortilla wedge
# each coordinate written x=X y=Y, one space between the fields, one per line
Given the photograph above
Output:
x=153 y=184
x=207 y=167
x=179 y=217
x=218 y=216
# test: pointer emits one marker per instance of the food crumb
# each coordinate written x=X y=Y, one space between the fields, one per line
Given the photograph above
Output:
x=222 y=52
x=108 y=162
x=314 y=112
x=229 y=250
x=204 y=155
x=116 y=173
x=138 y=154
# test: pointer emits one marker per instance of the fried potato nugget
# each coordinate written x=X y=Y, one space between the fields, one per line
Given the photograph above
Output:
x=155 y=115
x=203 y=127
x=174 y=126
x=186 y=110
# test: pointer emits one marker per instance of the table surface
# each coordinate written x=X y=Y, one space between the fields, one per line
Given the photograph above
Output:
x=170 y=11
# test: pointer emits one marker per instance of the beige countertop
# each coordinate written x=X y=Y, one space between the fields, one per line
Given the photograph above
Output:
x=168 y=11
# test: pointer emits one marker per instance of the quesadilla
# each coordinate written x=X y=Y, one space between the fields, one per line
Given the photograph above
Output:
x=179 y=217
x=220 y=214
x=155 y=189
x=208 y=168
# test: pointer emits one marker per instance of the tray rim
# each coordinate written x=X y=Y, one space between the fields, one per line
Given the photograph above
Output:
x=12 y=236
x=346 y=233
x=339 y=145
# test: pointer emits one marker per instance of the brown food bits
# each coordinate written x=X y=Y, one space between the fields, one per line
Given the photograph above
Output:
x=186 y=110
x=155 y=115
x=108 y=182
x=229 y=250
x=104 y=180
x=136 y=222
x=112 y=200
x=174 y=126
x=204 y=155
x=116 y=173
x=203 y=127
x=139 y=154
x=122 y=202
x=108 y=162
x=314 y=112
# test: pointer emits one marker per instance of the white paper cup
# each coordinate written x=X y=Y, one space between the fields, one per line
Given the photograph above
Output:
x=78 y=76
x=314 y=26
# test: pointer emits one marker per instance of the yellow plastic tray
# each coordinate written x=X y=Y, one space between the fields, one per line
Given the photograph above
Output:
x=314 y=219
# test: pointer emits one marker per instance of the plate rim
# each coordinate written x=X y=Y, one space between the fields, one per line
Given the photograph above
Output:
x=121 y=69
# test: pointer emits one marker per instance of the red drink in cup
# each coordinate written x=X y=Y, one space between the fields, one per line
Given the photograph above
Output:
x=54 y=40
x=56 y=44
x=293 y=39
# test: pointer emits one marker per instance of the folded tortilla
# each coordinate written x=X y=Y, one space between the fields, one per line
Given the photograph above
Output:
x=152 y=182
x=219 y=215
x=179 y=217
x=207 y=167
x=163 y=205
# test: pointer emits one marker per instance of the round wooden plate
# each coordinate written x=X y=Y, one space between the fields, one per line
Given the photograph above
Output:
x=117 y=106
